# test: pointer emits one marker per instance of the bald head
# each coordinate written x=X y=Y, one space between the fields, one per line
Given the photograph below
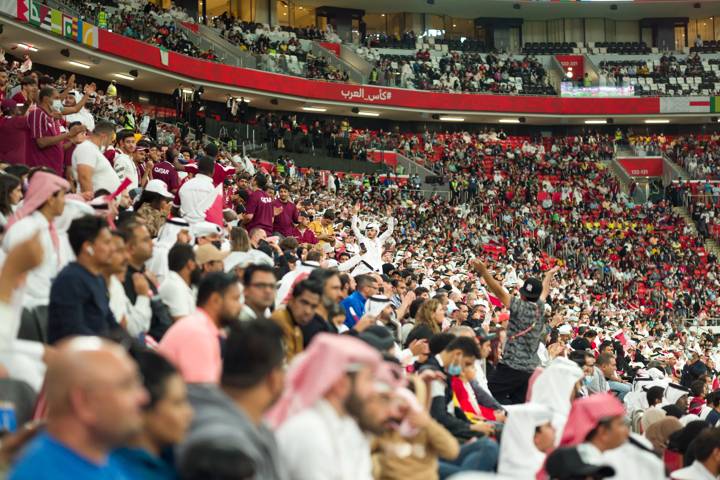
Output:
x=94 y=385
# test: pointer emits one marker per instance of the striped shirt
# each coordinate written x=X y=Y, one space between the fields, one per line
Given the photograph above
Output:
x=41 y=125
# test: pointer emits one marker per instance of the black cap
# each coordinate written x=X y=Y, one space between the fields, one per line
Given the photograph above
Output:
x=377 y=336
x=566 y=463
x=531 y=289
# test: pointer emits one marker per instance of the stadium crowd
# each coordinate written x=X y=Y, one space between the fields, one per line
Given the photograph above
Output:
x=171 y=309
x=461 y=72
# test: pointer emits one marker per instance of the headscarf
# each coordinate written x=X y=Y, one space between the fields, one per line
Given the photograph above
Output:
x=42 y=186
x=376 y=304
x=553 y=388
x=659 y=433
x=315 y=371
x=585 y=415
x=652 y=415
x=519 y=457
x=673 y=393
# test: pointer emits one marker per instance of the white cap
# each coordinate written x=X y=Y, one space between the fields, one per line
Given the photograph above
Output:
x=565 y=329
x=158 y=186
x=205 y=229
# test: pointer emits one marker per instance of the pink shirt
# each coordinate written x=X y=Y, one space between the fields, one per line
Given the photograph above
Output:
x=192 y=344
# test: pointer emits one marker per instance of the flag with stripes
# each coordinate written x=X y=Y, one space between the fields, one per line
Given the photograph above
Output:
x=46 y=22
x=685 y=104
x=164 y=58
x=715 y=104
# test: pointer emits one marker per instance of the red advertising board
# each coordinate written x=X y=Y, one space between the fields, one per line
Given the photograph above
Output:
x=642 y=166
x=576 y=62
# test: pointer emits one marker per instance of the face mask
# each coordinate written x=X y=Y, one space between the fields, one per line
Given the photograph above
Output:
x=454 y=370
x=587 y=381
x=57 y=105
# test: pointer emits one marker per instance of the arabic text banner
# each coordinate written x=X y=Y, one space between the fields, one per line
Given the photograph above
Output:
x=642 y=166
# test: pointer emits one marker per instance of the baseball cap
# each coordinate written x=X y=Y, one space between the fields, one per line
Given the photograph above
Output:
x=565 y=329
x=566 y=463
x=209 y=253
x=205 y=229
x=159 y=187
x=531 y=289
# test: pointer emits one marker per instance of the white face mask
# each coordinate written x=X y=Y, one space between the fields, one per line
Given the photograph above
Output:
x=57 y=105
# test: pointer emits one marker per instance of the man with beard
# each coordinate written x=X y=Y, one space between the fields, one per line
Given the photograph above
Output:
x=176 y=291
x=329 y=387
x=193 y=343
x=298 y=313
x=228 y=419
x=332 y=294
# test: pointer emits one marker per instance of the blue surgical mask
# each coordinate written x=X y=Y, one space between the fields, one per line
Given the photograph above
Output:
x=587 y=380
x=454 y=370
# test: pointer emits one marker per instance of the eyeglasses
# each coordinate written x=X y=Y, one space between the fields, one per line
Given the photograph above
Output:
x=271 y=286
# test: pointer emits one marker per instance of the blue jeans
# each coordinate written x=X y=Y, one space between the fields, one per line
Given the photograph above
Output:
x=480 y=455
x=621 y=389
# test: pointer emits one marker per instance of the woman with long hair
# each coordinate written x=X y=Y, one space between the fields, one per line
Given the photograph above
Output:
x=10 y=196
x=431 y=313
x=239 y=240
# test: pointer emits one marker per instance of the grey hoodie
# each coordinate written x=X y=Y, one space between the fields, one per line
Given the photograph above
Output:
x=219 y=421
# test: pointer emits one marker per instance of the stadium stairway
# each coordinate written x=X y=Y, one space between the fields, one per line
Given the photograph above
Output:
x=711 y=245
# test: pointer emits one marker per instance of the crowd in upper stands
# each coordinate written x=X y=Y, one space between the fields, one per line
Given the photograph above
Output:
x=462 y=72
x=668 y=75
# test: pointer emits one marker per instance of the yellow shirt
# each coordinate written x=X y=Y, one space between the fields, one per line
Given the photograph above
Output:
x=318 y=229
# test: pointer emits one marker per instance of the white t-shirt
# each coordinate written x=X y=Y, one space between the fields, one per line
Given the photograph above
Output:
x=125 y=168
x=104 y=177
x=177 y=295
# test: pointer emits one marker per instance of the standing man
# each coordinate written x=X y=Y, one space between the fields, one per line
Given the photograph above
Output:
x=286 y=213
x=95 y=398
x=198 y=194
x=91 y=168
x=165 y=170
x=44 y=202
x=123 y=161
x=177 y=97
x=45 y=145
x=259 y=211
x=525 y=329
